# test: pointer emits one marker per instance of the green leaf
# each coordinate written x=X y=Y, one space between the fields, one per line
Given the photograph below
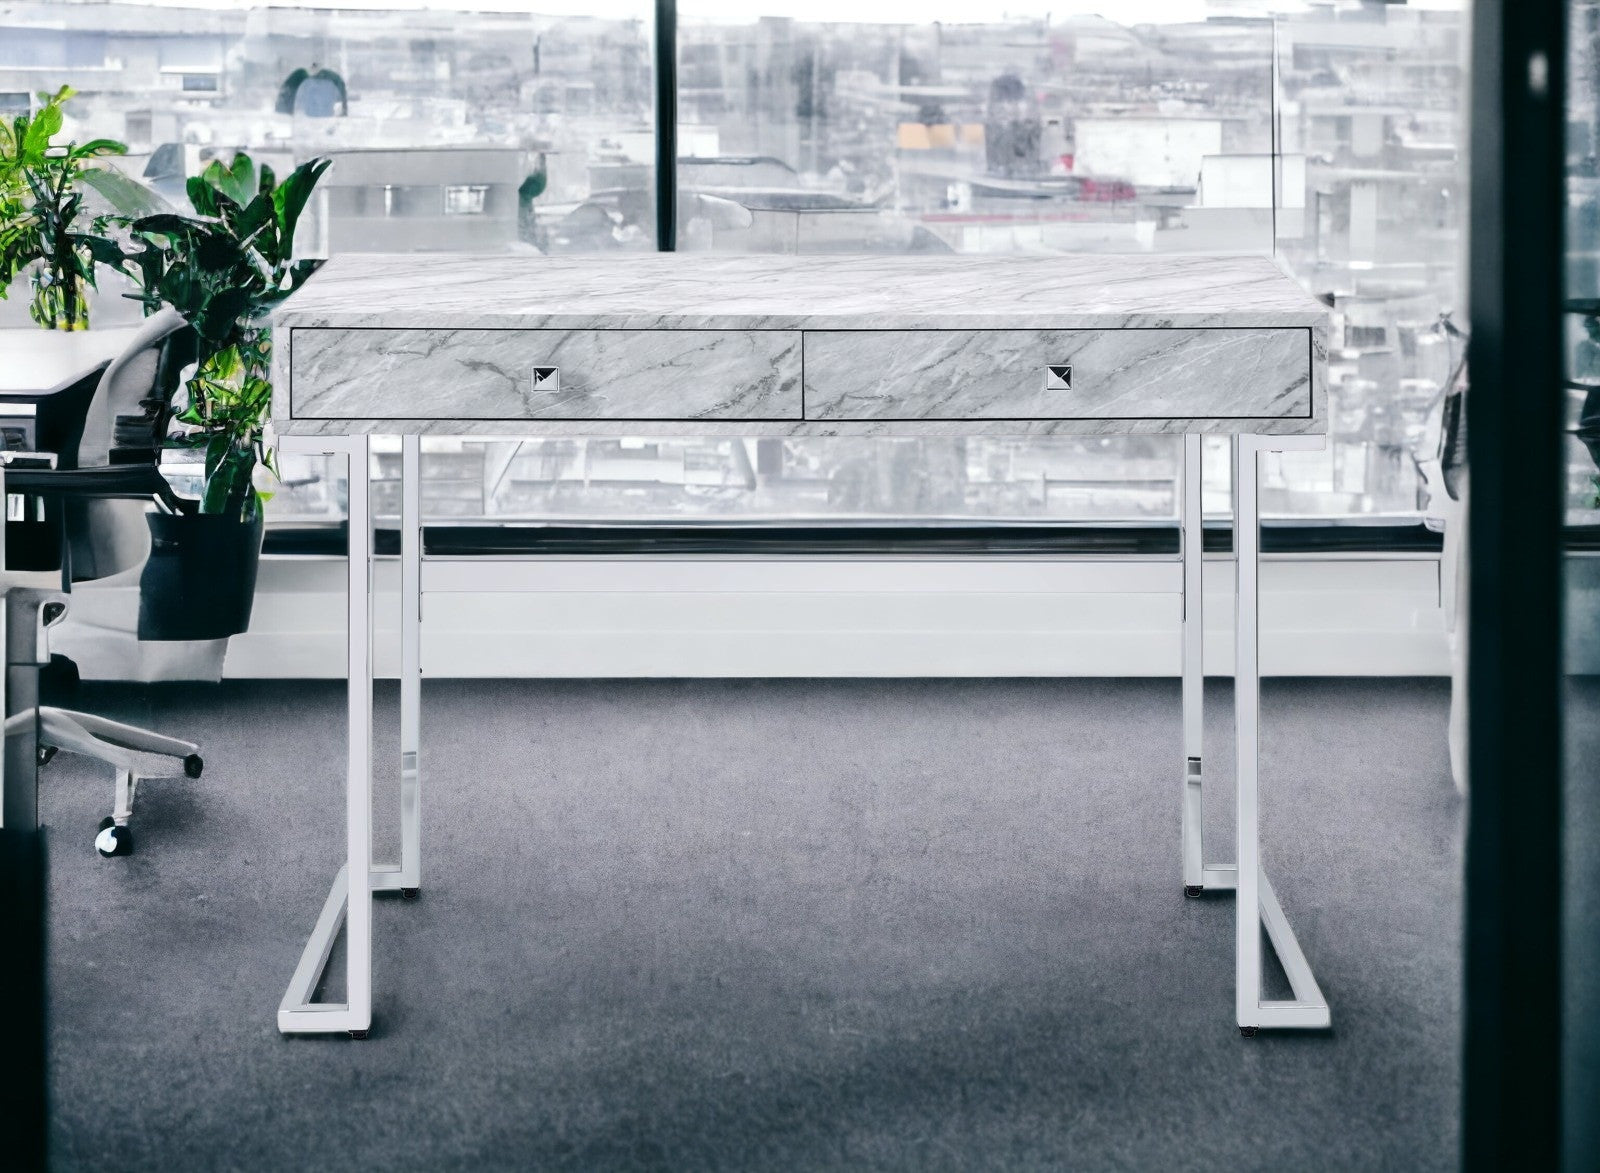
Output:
x=206 y=199
x=45 y=126
x=96 y=147
x=219 y=487
x=260 y=213
x=126 y=195
x=217 y=253
x=290 y=198
x=216 y=449
x=103 y=251
x=166 y=224
x=221 y=314
x=236 y=183
x=240 y=179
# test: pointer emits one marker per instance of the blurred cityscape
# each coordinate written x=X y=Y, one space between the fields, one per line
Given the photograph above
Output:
x=1582 y=325
x=1330 y=137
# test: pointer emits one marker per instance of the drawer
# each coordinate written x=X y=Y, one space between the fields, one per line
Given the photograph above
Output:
x=1132 y=374
x=338 y=373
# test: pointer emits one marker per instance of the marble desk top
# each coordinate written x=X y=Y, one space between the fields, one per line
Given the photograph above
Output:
x=719 y=291
x=702 y=343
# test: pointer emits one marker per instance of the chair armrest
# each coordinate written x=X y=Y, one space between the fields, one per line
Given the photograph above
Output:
x=126 y=481
x=21 y=460
x=57 y=414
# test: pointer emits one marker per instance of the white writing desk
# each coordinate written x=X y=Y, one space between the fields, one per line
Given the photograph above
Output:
x=704 y=345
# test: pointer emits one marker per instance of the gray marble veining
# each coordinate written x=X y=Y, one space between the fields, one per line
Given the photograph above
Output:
x=705 y=344
x=713 y=291
x=389 y=426
x=602 y=374
x=1000 y=374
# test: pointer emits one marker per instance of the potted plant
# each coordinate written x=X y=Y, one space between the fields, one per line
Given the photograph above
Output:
x=41 y=209
x=223 y=269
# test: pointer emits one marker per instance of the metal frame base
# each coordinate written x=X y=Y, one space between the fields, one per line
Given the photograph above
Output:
x=1257 y=901
x=1308 y=1009
x=298 y=1013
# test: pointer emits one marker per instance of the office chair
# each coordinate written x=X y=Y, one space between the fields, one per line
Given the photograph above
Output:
x=99 y=467
x=1444 y=472
x=29 y=613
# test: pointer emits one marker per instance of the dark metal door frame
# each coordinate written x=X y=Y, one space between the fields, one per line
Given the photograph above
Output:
x=1512 y=1029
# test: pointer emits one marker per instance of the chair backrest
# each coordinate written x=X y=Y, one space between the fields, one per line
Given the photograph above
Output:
x=108 y=537
x=130 y=390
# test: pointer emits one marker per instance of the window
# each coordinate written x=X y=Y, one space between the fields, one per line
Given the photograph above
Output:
x=450 y=129
x=1329 y=136
x=465 y=199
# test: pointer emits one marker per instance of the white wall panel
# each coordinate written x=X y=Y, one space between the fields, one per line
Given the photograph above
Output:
x=712 y=617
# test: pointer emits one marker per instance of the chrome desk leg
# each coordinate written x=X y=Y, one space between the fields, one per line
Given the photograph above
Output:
x=411 y=665
x=1256 y=903
x=406 y=877
x=1194 y=676
x=349 y=902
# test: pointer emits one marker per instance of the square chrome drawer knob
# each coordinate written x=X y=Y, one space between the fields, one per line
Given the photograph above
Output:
x=1058 y=377
x=547 y=378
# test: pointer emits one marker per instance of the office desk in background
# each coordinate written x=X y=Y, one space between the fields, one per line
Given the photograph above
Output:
x=704 y=345
x=35 y=360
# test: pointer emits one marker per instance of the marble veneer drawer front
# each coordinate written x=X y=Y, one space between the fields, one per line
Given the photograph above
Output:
x=465 y=374
x=1132 y=374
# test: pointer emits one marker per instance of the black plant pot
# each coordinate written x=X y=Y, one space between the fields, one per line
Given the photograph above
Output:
x=200 y=581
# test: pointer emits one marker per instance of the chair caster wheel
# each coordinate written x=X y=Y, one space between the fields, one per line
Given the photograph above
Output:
x=1249 y=1032
x=359 y=1034
x=1192 y=891
x=46 y=752
x=112 y=839
x=193 y=765
x=410 y=893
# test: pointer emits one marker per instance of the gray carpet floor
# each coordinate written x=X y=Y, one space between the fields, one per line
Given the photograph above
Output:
x=763 y=925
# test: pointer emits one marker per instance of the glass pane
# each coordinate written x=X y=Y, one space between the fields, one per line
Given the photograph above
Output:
x=754 y=479
x=1581 y=817
x=1370 y=213
x=450 y=129
x=888 y=127
x=879 y=126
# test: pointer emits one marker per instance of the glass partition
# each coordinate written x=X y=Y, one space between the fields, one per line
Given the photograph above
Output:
x=1581 y=566
x=463 y=128
x=1326 y=134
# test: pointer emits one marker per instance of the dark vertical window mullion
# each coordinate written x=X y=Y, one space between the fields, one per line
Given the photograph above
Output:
x=1275 y=128
x=666 y=43
x=1512 y=1028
